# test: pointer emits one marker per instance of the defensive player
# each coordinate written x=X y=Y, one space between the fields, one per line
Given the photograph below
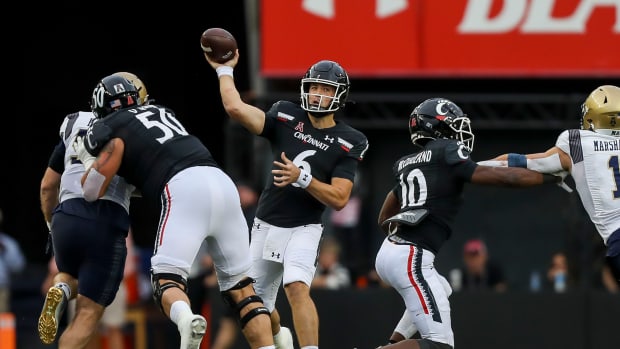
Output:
x=315 y=159
x=592 y=157
x=88 y=238
x=418 y=214
x=150 y=148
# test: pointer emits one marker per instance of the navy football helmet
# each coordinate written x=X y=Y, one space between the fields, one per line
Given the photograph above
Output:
x=329 y=73
x=440 y=118
x=112 y=93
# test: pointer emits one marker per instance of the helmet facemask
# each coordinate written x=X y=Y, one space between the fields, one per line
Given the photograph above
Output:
x=333 y=106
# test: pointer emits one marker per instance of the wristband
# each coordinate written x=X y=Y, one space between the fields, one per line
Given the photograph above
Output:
x=517 y=160
x=304 y=178
x=224 y=70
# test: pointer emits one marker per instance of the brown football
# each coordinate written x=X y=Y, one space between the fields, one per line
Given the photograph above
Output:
x=218 y=44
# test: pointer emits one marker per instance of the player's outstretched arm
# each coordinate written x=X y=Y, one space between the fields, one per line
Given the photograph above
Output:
x=97 y=177
x=249 y=116
x=511 y=177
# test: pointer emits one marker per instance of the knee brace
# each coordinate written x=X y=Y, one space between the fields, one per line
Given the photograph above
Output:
x=158 y=290
x=238 y=307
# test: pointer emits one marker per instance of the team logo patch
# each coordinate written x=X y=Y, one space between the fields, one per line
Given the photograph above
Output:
x=300 y=127
x=119 y=88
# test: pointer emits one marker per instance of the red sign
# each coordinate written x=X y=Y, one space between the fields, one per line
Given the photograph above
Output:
x=407 y=38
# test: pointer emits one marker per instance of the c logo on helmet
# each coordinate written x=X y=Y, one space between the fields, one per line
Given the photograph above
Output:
x=462 y=151
x=439 y=108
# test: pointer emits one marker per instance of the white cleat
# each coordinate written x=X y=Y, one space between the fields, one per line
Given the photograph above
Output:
x=192 y=330
x=284 y=339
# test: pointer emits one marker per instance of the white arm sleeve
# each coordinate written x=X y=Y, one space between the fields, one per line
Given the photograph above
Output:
x=550 y=164
x=494 y=163
x=92 y=185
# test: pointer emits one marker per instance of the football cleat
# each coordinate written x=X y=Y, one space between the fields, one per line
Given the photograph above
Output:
x=53 y=308
x=284 y=339
x=192 y=330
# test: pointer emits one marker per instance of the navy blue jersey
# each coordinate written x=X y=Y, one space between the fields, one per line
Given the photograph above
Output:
x=157 y=146
x=432 y=178
x=325 y=153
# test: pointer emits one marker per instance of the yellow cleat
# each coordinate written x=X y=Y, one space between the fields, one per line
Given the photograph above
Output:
x=53 y=308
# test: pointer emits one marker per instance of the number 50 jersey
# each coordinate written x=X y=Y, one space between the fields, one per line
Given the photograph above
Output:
x=157 y=146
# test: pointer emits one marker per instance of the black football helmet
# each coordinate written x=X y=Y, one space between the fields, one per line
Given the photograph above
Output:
x=601 y=111
x=330 y=73
x=112 y=93
x=440 y=118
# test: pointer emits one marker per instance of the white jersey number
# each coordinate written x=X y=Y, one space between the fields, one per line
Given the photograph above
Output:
x=414 y=181
x=300 y=161
x=167 y=123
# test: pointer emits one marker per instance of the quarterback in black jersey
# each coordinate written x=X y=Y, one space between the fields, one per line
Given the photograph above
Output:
x=150 y=148
x=418 y=214
x=315 y=159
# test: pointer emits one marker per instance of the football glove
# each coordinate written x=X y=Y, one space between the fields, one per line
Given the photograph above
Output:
x=83 y=154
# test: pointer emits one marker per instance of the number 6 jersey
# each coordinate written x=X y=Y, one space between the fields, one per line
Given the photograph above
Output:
x=325 y=153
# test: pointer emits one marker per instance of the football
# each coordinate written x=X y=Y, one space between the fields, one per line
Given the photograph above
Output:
x=219 y=44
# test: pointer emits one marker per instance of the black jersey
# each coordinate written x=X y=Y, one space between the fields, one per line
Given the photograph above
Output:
x=157 y=146
x=432 y=178
x=325 y=153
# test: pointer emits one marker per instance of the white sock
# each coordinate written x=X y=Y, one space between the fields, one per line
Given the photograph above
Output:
x=310 y=347
x=268 y=347
x=178 y=310
x=65 y=288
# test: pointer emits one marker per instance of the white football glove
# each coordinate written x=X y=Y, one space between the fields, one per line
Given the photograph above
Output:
x=563 y=184
x=83 y=154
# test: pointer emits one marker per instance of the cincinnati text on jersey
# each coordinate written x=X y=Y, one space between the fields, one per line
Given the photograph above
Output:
x=607 y=145
x=424 y=156
x=308 y=139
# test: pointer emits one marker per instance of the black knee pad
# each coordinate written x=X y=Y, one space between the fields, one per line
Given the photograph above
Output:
x=158 y=290
x=244 y=302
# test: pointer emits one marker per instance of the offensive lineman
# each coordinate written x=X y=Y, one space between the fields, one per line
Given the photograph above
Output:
x=150 y=148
